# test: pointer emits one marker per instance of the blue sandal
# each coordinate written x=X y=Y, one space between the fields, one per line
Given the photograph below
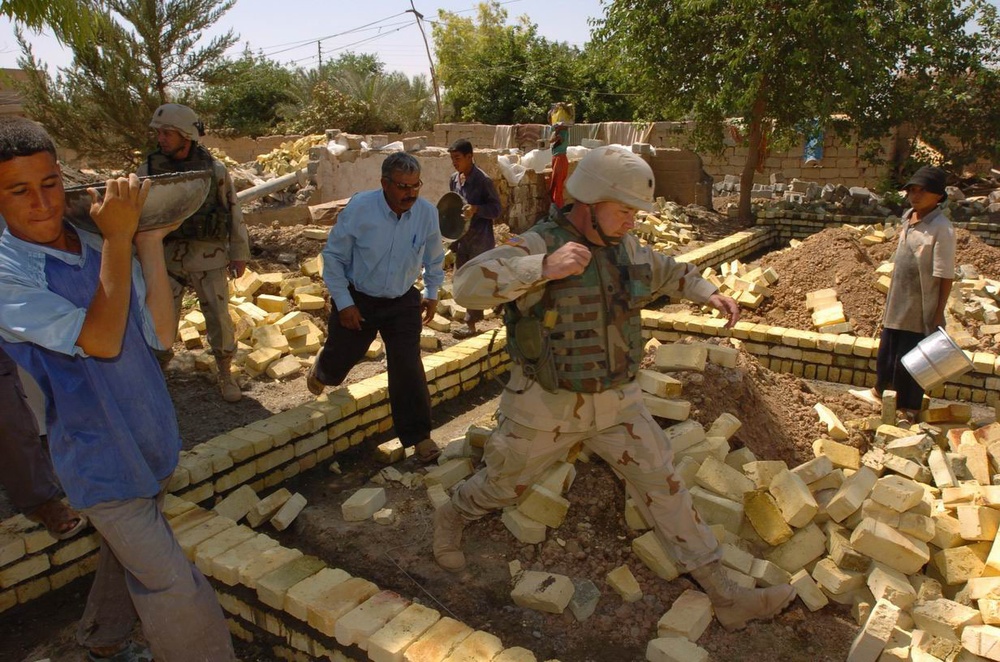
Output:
x=132 y=652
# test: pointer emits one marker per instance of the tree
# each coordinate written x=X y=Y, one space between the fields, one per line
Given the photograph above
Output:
x=146 y=54
x=72 y=21
x=250 y=99
x=776 y=66
x=498 y=73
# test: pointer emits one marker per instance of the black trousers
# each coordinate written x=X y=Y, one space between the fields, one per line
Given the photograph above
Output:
x=889 y=371
x=398 y=321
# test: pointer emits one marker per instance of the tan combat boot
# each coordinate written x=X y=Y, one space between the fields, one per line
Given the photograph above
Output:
x=227 y=383
x=448 y=526
x=735 y=605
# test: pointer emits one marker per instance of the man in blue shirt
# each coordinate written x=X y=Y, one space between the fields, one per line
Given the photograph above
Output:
x=482 y=207
x=374 y=254
x=80 y=314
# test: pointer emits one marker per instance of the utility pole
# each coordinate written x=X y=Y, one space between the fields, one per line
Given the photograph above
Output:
x=430 y=60
x=319 y=52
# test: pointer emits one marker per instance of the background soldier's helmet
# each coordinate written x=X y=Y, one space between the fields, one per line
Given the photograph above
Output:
x=181 y=118
x=612 y=173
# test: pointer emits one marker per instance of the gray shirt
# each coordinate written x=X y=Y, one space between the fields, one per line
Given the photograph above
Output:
x=924 y=255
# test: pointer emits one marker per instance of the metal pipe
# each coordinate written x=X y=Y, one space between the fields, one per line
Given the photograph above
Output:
x=300 y=177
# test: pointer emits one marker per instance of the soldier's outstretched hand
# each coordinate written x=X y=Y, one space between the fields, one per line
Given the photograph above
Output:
x=567 y=260
x=727 y=306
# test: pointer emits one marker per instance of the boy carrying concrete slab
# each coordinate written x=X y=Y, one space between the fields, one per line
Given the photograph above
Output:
x=80 y=313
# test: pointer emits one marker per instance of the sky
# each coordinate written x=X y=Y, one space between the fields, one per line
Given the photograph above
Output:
x=287 y=32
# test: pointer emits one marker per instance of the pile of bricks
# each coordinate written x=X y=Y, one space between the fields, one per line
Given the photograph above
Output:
x=667 y=229
x=749 y=287
x=827 y=311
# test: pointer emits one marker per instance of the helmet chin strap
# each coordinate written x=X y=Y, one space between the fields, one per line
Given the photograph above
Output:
x=608 y=241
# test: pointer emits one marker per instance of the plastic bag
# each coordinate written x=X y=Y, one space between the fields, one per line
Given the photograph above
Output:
x=576 y=152
x=512 y=172
x=537 y=159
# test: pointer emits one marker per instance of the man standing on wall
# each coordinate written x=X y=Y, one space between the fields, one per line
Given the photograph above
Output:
x=382 y=241
x=482 y=207
x=211 y=242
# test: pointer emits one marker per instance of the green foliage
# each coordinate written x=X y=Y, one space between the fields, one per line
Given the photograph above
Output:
x=146 y=53
x=249 y=100
x=775 y=66
x=72 y=21
x=501 y=74
x=354 y=93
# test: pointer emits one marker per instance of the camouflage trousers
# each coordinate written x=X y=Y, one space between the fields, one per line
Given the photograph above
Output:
x=635 y=447
x=212 y=289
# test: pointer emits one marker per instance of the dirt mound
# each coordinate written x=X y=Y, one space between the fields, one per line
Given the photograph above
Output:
x=835 y=258
x=776 y=409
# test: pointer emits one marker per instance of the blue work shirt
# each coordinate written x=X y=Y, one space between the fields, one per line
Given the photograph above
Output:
x=381 y=254
x=112 y=429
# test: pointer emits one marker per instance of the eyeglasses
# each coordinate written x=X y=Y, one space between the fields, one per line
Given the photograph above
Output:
x=405 y=187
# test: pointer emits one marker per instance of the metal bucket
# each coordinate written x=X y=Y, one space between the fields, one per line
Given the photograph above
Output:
x=935 y=360
x=172 y=197
x=450 y=219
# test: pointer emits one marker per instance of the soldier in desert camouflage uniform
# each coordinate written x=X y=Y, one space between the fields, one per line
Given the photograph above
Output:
x=208 y=244
x=573 y=286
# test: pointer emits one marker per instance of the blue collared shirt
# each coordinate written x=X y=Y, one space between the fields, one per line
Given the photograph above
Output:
x=382 y=255
x=112 y=429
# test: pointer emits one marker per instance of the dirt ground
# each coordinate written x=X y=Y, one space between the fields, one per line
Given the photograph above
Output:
x=778 y=423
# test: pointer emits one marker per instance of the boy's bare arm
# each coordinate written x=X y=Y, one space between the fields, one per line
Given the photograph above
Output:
x=117 y=216
x=159 y=297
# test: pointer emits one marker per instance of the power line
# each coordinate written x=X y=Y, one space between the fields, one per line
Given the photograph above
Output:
x=339 y=34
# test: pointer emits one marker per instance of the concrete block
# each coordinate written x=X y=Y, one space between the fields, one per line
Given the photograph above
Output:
x=675 y=356
x=807 y=545
x=358 y=625
x=624 y=583
x=840 y=455
x=885 y=545
x=362 y=504
x=766 y=517
x=886 y=583
x=811 y=595
x=958 y=565
x=288 y=512
x=835 y=579
x=723 y=480
x=897 y=493
x=658 y=384
x=265 y=562
x=868 y=645
x=715 y=509
x=272 y=587
x=226 y=566
x=725 y=425
x=814 y=469
x=766 y=573
x=543 y=505
x=792 y=495
x=674 y=649
x=982 y=640
x=684 y=435
x=477 y=646
x=978 y=522
x=449 y=473
x=390 y=642
x=264 y=509
x=339 y=600
x=218 y=544
x=313 y=590
x=649 y=550
x=945 y=618
x=674 y=410
x=689 y=616
x=851 y=494
x=543 y=591
x=522 y=527
x=762 y=472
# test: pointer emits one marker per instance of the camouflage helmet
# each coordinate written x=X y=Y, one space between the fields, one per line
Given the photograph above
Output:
x=612 y=173
x=180 y=118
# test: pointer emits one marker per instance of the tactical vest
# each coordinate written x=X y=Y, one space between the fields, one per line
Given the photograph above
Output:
x=590 y=324
x=212 y=221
